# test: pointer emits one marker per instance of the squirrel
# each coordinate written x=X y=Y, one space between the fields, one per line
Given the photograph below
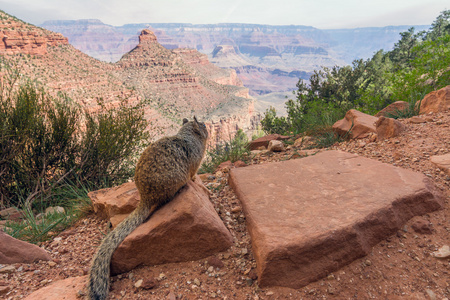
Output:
x=162 y=170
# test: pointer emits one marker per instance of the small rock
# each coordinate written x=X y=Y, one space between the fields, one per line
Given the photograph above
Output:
x=53 y=210
x=149 y=283
x=239 y=164
x=443 y=252
x=138 y=283
x=236 y=209
x=52 y=263
x=422 y=226
x=431 y=294
x=417 y=120
x=4 y=290
x=269 y=293
x=276 y=146
x=171 y=296
x=197 y=282
x=7 y=269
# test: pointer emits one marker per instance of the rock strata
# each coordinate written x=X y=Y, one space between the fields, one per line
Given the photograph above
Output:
x=309 y=217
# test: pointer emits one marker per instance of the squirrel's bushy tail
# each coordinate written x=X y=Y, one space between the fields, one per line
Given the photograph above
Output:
x=98 y=286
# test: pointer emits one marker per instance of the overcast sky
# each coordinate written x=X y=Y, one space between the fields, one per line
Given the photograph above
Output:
x=323 y=14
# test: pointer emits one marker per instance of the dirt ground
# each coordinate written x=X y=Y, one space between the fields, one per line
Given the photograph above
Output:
x=399 y=267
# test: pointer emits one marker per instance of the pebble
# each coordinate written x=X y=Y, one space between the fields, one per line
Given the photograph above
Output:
x=197 y=282
x=138 y=283
x=8 y=269
x=51 y=263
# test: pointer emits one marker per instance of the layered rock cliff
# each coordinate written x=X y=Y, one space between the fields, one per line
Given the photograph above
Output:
x=21 y=38
x=175 y=84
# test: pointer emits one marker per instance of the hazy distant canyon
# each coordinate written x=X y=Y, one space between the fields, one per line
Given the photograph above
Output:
x=269 y=60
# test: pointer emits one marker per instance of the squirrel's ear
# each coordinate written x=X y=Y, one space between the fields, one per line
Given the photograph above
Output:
x=195 y=119
x=185 y=121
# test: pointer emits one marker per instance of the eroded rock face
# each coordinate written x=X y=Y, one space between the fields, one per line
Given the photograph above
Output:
x=388 y=127
x=355 y=124
x=187 y=228
x=308 y=217
x=437 y=101
x=66 y=289
x=15 y=251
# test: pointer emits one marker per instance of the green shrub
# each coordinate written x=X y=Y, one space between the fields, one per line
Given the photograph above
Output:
x=48 y=141
x=234 y=149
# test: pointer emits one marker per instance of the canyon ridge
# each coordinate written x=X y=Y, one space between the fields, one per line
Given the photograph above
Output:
x=269 y=60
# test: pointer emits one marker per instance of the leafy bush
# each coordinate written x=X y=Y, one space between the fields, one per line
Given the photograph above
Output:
x=418 y=64
x=234 y=149
x=48 y=141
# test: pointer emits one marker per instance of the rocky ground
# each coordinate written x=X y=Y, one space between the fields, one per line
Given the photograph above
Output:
x=400 y=267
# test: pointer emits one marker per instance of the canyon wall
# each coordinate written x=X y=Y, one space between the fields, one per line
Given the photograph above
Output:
x=173 y=84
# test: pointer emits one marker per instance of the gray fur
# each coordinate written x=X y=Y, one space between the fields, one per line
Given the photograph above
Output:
x=162 y=170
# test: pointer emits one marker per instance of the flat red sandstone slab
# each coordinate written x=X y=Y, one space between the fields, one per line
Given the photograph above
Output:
x=309 y=217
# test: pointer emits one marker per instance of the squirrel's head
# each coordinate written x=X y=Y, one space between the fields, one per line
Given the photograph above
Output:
x=198 y=127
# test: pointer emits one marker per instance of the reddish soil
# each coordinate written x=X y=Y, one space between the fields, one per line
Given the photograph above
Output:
x=399 y=267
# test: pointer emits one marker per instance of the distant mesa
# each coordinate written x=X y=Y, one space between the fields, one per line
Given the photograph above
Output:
x=223 y=51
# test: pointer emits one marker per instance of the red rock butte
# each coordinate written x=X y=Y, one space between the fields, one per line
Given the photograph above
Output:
x=147 y=36
x=309 y=217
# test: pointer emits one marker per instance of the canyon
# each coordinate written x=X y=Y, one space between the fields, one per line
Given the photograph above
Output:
x=173 y=84
x=269 y=60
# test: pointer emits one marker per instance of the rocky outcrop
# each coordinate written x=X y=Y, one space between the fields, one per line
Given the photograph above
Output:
x=437 y=101
x=308 y=217
x=17 y=37
x=174 y=88
x=16 y=251
x=187 y=228
x=355 y=124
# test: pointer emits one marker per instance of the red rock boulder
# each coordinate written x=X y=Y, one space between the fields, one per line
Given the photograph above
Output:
x=437 y=101
x=355 y=125
x=392 y=108
x=309 y=217
x=388 y=127
x=15 y=251
x=187 y=228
